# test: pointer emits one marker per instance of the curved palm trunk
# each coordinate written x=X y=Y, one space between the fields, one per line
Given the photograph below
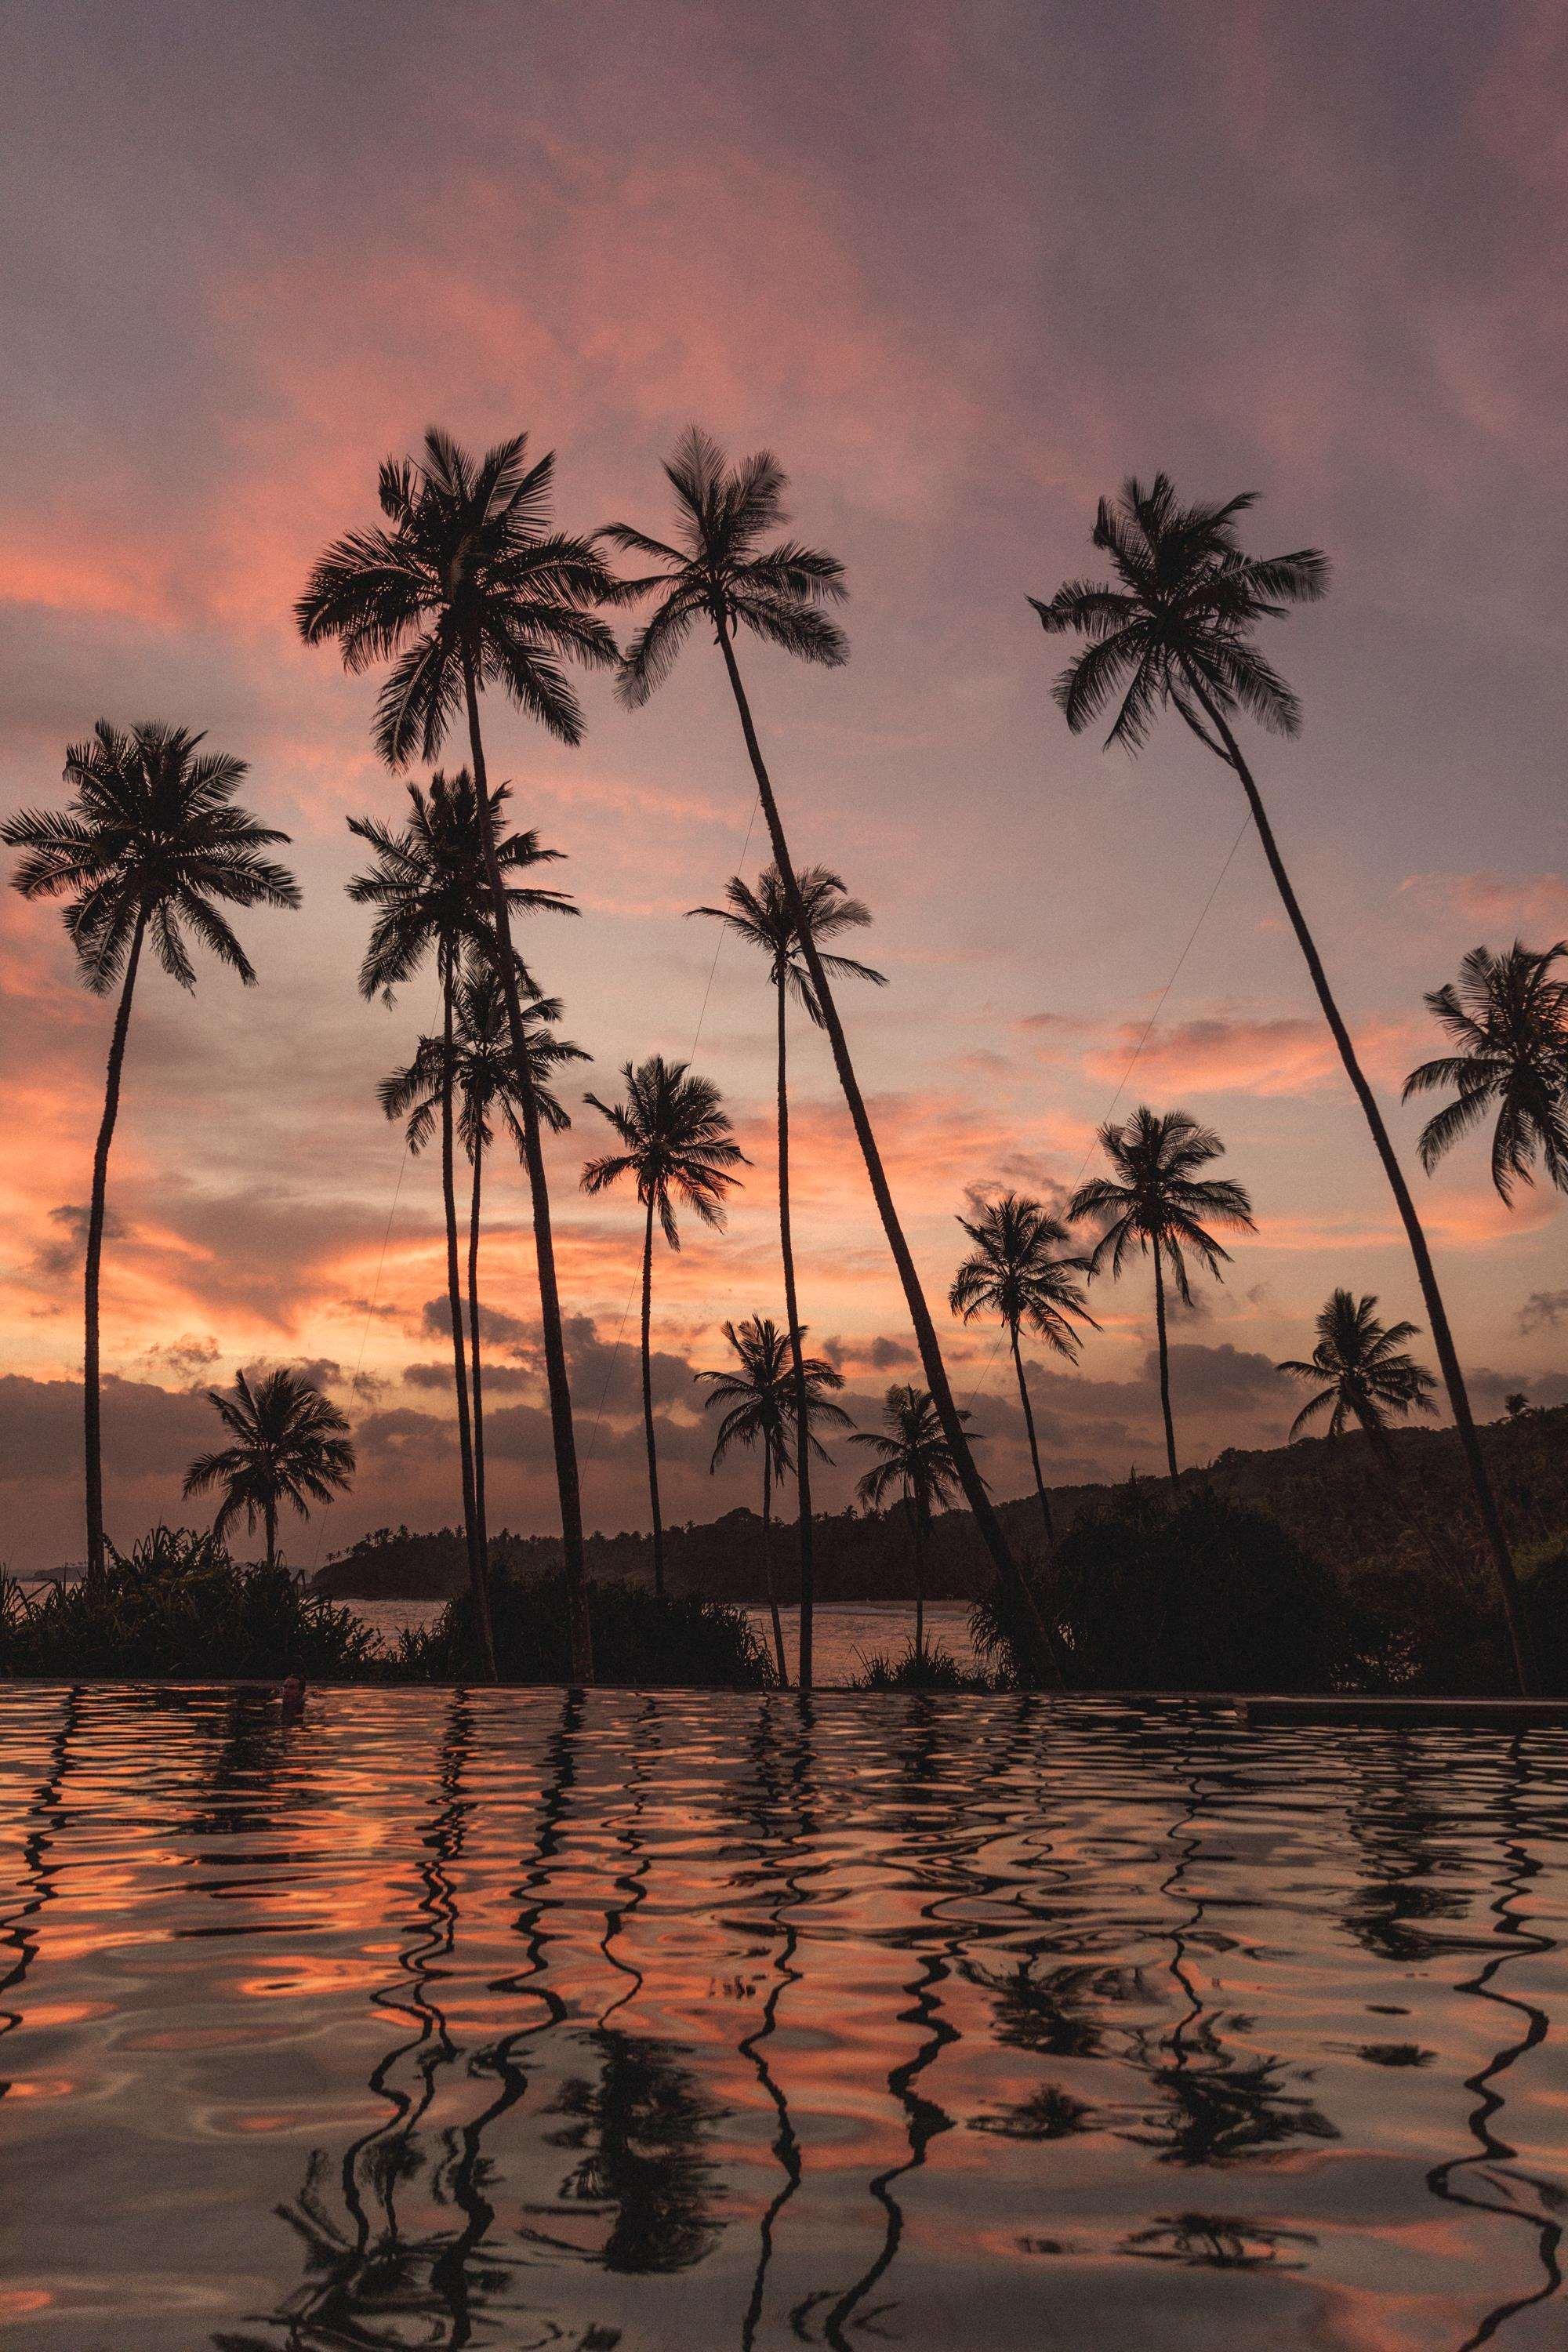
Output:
x=1034 y=1447
x=1164 y=1360
x=1033 y=1634
x=92 y=1425
x=477 y=1584
x=1487 y=1511
x=481 y=1530
x=647 y=1406
x=565 y=1443
x=768 y=1585
x=797 y=1362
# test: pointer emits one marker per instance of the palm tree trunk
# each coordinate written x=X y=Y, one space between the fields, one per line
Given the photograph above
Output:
x=918 y=1516
x=768 y=1584
x=269 y=1522
x=647 y=1406
x=1034 y=1636
x=797 y=1360
x=559 y=1385
x=1164 y=1360
x=1034 y=1447
x=481 y=1528
x=1493 y=1528
x=455 y=1309
x=92 y=1430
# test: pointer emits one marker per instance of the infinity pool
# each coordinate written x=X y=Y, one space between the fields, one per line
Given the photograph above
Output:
x=614 y=2023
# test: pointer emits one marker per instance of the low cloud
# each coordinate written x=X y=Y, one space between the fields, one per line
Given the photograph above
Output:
x=1543 y=1310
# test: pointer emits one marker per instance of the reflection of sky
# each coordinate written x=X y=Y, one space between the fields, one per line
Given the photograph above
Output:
x=1261 y=248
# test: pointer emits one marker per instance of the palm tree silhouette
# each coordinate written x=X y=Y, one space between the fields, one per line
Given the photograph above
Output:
x=1177 y=630
x=759 y=1400
x=763 y=919
x=720 y=574
x=1508 y=1017
x=290 y=1445
x=914 y=1460
x=679 y=1146
x=468 y=588
x=1368 y=1377
x=1157 y=1199
x=1017 y=1272
x=151 y=844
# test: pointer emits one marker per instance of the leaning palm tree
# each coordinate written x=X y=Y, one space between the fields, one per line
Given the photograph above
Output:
x=467 y=588
x=720 y=574
x=1367 y=1374
x=151 y=845
x=759 y=1402
x=290 y=1445
x=677 y=1146
x=762 y=918
x=1158 y=1201
x=1022 y=1271
x=1176 y=629
x=915 y=1462
x=1508 y=1017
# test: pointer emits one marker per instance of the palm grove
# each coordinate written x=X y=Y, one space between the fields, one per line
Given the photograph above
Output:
x=465 y=591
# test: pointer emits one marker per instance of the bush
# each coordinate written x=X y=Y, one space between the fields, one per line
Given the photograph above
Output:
x=932 y=1670
x=639 y=1640
x=177 y=1607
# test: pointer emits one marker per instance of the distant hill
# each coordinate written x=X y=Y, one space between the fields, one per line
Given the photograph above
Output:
x=1334 y=1495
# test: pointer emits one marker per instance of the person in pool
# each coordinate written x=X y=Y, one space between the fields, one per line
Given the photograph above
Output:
x=291 y=1697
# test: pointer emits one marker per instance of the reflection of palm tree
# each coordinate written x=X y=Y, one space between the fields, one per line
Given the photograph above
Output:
x=637 y=2123
x=19 y=1929
x=1217 y=2241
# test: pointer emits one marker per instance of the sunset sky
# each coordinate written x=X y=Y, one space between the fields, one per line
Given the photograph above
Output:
x=962 y=267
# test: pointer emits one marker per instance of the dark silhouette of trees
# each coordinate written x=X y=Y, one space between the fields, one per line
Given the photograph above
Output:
x=291 y=1445
x=1508 y=1017
x=1367 y=1374
x=914 y=1462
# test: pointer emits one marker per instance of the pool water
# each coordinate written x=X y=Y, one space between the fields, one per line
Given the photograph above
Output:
x=610 y=2023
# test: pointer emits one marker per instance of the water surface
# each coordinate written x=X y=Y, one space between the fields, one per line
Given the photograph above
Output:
x=526 y=2020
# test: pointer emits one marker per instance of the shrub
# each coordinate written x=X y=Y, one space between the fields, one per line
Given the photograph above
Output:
x=639 y=1640
x=932 y=1670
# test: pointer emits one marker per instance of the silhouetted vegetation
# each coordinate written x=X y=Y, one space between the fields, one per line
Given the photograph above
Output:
x=640 y=1640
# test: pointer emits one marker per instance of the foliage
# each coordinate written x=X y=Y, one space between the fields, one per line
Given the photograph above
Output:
x=1367 y=1375
x=639 y=1641
x=1021 y=1271
x=762 y=916
x=677 y=1143
x=928 y=1669
x=290 y=1445
x=1508 y=1017
x=758 y=1394
x=914 y=1459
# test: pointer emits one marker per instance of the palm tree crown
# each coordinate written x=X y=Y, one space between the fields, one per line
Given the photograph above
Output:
x=1178 y=618
x=484 y=1073
x=466 y=574
x=1157 y=1198
x=677 y=1142
x=1508 y=1017
x=758 y=1394
x=153 y=842
x=1018 y=1272
x=720 y=571
x=290 y=1445
x=914 y=1457
x=762 y=918
x=1368 y=1376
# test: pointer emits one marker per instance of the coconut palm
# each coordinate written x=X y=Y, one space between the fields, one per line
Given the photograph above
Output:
x=1022 y=1271
x=1176 y=629
x=290 y=1445
x=720 y=574
x=150 y=847
x=761 y=1409
x=1157 y=1201
x=678 y=1146
x=763 y=919
x=1367 y=1374
x=468 y=587
x=916 y=1463
x=1508 y=1017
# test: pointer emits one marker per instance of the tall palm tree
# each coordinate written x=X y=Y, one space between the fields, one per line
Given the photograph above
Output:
x=759 y=1400
x=1508 y=1017
x=291 y=1445
x=762 y=918
x=468 y=587
x=151 y=844
x=429 y=885
x=915 y=1460
x=1022 y=1271
x=1177 y=629
x=1368 y=1375
x=720 y=574
x=677 y=1146
x=1158 y=1201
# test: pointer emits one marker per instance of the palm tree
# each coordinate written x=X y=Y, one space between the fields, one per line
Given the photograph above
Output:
x=1177 y=630
x=1368 y=1377
x=915 y=1460
x=468 y=588
x=1158 y=1201
x=1508 y=1017
x=150 y=846
x=763 y=919
x=759 y=1400
x=290 y=1445
x=679 y=1146
x=1018 y=1271
x=719 y=574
